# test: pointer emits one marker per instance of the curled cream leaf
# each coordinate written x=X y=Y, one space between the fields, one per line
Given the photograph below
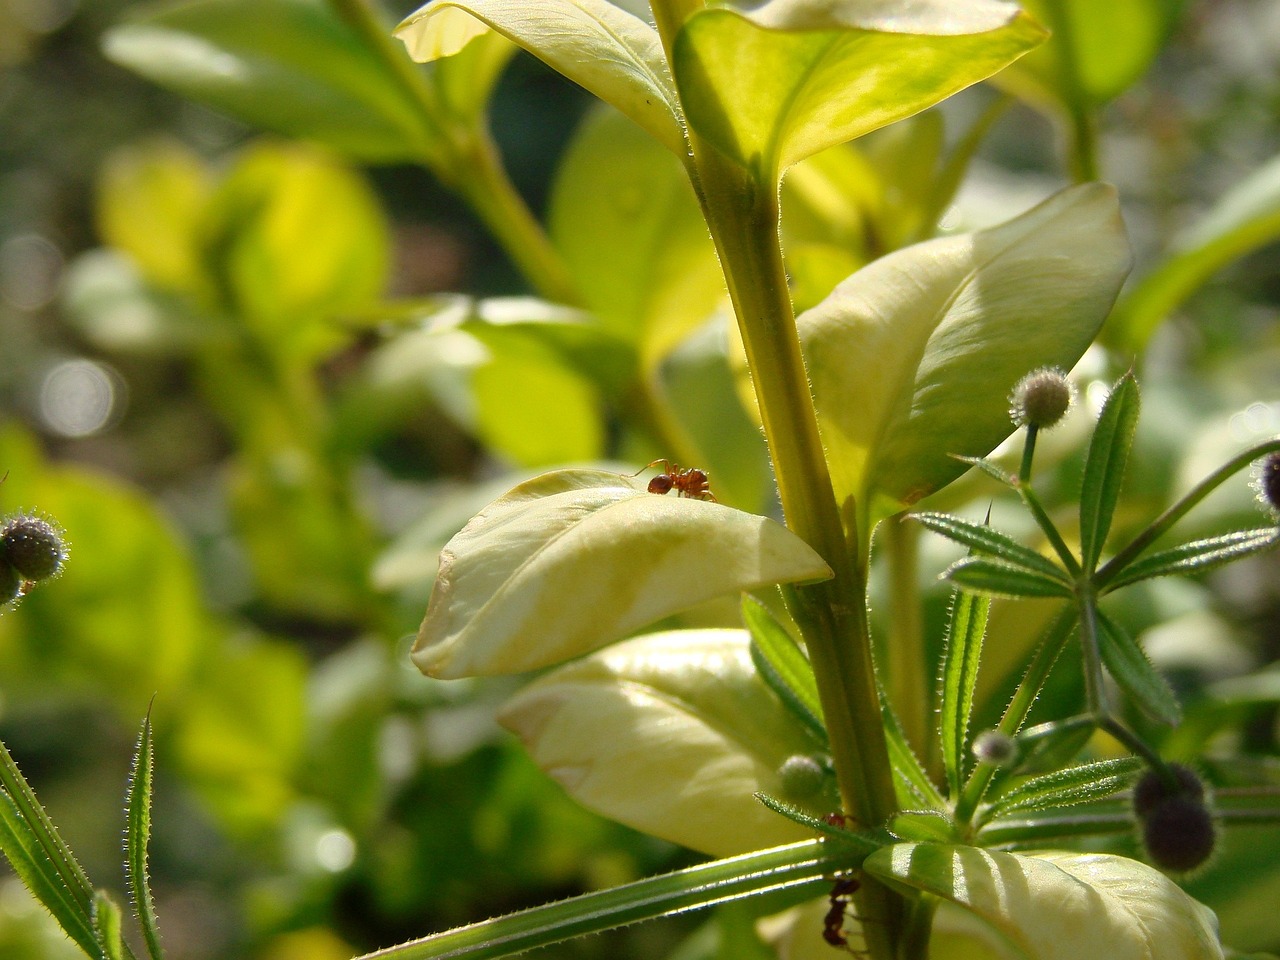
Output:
x=778 y=82
x=912 y=358
x=594 y=43
x=1059 y=906
x=575 y=559
x=670 y=733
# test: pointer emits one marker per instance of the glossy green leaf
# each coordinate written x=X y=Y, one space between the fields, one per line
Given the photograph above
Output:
x=671 y=733
x=576 y=559
x=965 y=633
x=291 y=66
x=1134 y=673
x=1104 y=467
x=599 y=46
x=922 y=825
x=1079 y=784
x=1096 y=50
x=1059 y=906
x=985 y=540
x=138 y=836
x=997 y=578
x=774 y=84
x=1245 y=218
x=1198 y=555
x=783 y=666
x=625 y=218
x=913 y=357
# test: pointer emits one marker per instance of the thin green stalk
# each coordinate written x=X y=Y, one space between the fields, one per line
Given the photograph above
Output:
x=467 y=161
x=908 y=677
x=1084 y=138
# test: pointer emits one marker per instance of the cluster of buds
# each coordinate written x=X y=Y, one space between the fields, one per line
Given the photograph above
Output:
x=31 y=549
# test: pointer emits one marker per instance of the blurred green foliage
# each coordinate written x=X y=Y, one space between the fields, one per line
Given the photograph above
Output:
x=233 y=367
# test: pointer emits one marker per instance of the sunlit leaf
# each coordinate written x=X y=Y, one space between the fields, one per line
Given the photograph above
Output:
x=137 y=838
x=913 y=357
x=985 y=540
x=1059 y=906
x=597 y=45
x=774 y=84
x=576 y=559
x=627 y=222
x=291 y=66
x=671 y=733
x=1104 y=467
x=783 y=666
x=1245 y=218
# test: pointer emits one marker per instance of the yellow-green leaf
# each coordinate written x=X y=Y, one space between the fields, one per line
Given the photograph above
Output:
x=670 y=733
x=912 y=358
x=594 y=43
x=575 y=559
x=1059 y=906
x=788 y=78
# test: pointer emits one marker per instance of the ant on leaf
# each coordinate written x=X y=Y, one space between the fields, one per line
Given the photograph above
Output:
x=691 y=483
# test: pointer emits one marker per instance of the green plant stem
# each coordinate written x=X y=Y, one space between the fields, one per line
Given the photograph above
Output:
x=907 y=673
x=1084 y=138
x=465 y=159
x=1028 y=454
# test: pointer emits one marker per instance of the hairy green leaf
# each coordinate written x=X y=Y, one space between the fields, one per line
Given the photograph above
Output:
x=1198 y=555
x=137 y=836
x=998 y=578
x=985 y=540
x=783 y=666
x=965 y=632
x=1134 y=674
x=1104 y=468
x=1079 y=784
x=108 y=925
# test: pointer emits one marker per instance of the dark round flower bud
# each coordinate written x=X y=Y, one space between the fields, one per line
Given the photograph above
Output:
x=10 y=582
x=996 y=748
x=802 y=777
x=1178 y=833
x=1269 y=482
x=33 y=545
x=1041 y=398
x=1152 y=788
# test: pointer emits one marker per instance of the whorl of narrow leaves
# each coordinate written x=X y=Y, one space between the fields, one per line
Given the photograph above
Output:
x=1041 y=398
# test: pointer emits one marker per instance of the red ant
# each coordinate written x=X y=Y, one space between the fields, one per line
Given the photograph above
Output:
x=691 y=483
x=833 y=922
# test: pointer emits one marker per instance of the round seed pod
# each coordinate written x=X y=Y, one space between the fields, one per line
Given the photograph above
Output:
x=1151 y=788
x=10 y=582
x=1041 y=398
x=1269 y=482
x=33 y=546
x=802 y=777
x=1178 y=834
